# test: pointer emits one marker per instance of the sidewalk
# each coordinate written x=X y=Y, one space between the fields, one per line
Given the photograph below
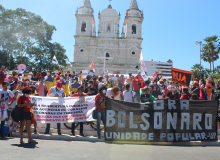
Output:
x=66 y=137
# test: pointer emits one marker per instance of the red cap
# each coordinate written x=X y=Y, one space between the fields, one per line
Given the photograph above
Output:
x=196 y=83
x=60 y=85
x=59 y=72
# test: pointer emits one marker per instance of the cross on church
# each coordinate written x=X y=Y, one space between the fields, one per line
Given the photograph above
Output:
x=104 y=57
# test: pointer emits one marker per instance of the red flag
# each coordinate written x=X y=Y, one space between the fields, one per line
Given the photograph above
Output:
x=155 y=76
x=201 y=95
x=165 y=92
x=92 y=65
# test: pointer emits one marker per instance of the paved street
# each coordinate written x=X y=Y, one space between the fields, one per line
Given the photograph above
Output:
x=51 y=150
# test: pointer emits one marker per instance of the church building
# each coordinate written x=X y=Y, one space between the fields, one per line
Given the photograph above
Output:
x=122 y=50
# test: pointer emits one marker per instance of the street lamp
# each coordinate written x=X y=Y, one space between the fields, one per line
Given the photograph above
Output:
x=200 y=42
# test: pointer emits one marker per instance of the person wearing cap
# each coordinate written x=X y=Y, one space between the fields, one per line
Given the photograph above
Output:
x=64 y=85
x=13 y=77
x=58 y=76
x=50 y=81
x=197 y=89
x=74 y=86
x=26 y=73
x=91 y=90
x=78 y=94
x=55 y=91
x=26 y=83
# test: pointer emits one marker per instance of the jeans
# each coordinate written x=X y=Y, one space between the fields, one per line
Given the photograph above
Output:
x=48 y=128
x=137 y=97
x=2 y=126
x=100 y=116
x=73 y=127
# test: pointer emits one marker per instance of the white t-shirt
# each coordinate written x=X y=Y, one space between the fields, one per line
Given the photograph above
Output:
x=5 y=95
x=109 y=94
x=54 y=93
x=128 y=96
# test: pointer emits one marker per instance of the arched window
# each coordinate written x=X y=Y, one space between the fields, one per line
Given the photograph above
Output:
x=107 y=55
x=109 y=28
x=133 y=29
x=83 y=28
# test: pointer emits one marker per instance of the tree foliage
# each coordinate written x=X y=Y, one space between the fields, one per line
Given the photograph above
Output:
x=26 y=38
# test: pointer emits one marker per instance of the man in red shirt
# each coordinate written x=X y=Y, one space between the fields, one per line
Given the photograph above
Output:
x=38 y=75
x=100 y=107
x=136 y=88
x=78 y=94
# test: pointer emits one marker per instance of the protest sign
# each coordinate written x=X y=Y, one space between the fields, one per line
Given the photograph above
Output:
x=181 y=76
x=162 y=121
x=84 y=73
x=116 y=72
x=61 y=110
x=143 y=75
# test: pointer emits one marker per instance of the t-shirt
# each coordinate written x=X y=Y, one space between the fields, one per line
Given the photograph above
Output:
x=209 y=89
x=147 y=98
x=41 y=91
x=100 y=99
x=5 y=95
x=55 y=93
x=197 y=91
x=93 y=90
x=25 y=100
x=100 y=85
x=185 y=96
x=135 y=84
x=57 y=77
x=128 y=96
x=38 y=75
x=109 y=94
x=77 y=95
x=216 y=92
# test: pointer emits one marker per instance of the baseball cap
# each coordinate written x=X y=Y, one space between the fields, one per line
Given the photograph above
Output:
x=196 y=83
x=75 y=78
x=26 y=71
x=59 y=85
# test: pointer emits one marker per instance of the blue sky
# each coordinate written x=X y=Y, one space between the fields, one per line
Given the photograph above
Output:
x=170 y=27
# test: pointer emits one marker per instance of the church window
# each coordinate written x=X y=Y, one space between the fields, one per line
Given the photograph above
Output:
x=107 y=55
x=133 y=53
x=83 y=28
x=81 y=50
x=133 y=29
x=109 y=28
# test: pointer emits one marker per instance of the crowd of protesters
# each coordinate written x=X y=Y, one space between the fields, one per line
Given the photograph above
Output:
x=131 y=89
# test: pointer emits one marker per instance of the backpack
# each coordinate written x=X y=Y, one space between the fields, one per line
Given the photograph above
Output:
x=17 y=114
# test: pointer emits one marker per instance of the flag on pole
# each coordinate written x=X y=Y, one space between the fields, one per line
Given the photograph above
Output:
x=142 y=63
x=155 y=76
x=55 y=59
x=92 y=65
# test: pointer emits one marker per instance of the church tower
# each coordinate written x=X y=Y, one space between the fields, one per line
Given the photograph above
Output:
x=133 y=21
x=85 y=19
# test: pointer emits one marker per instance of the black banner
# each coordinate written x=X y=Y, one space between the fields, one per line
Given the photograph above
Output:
x=162 y=121
x=181 y=76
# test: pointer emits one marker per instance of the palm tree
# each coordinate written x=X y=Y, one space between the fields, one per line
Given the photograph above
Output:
x=211 y=50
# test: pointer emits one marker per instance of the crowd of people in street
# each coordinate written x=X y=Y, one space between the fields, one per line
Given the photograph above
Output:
x=132 y=88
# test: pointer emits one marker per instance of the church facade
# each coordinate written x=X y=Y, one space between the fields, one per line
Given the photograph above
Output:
x=122 y=50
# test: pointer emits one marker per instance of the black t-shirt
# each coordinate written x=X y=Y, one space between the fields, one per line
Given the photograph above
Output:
x=93 y=90
x=197 y=91
x=34 y=73
x=145 y=98
x=155 y=91
x=216 y=92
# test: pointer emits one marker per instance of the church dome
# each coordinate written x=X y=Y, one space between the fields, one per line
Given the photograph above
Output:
x=109 y=12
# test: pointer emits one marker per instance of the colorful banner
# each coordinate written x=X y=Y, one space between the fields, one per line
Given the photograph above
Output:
x=62 y=110
x=181 y=76
x=161 y=121
x=143 y=75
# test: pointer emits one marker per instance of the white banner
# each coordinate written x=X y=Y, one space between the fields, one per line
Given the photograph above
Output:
x=61 y=110
x=143 y=75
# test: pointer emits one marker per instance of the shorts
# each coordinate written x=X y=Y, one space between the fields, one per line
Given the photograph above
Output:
x=27 y=116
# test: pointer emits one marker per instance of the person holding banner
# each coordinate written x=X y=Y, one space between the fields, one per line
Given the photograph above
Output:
x=56 y=91
x=78 y=94
x=100 y=107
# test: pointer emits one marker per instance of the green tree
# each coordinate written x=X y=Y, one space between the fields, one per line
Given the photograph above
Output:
x=27 y=38
x=211 y=50
x=196 y=69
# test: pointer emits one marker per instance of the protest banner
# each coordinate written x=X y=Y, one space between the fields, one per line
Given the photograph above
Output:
x=84 y=73
x=161 y=121
x=143 y=75
x=61 y=110
x=181 y=76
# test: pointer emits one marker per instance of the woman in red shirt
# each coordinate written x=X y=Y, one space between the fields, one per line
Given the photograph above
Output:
x=25 y=101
